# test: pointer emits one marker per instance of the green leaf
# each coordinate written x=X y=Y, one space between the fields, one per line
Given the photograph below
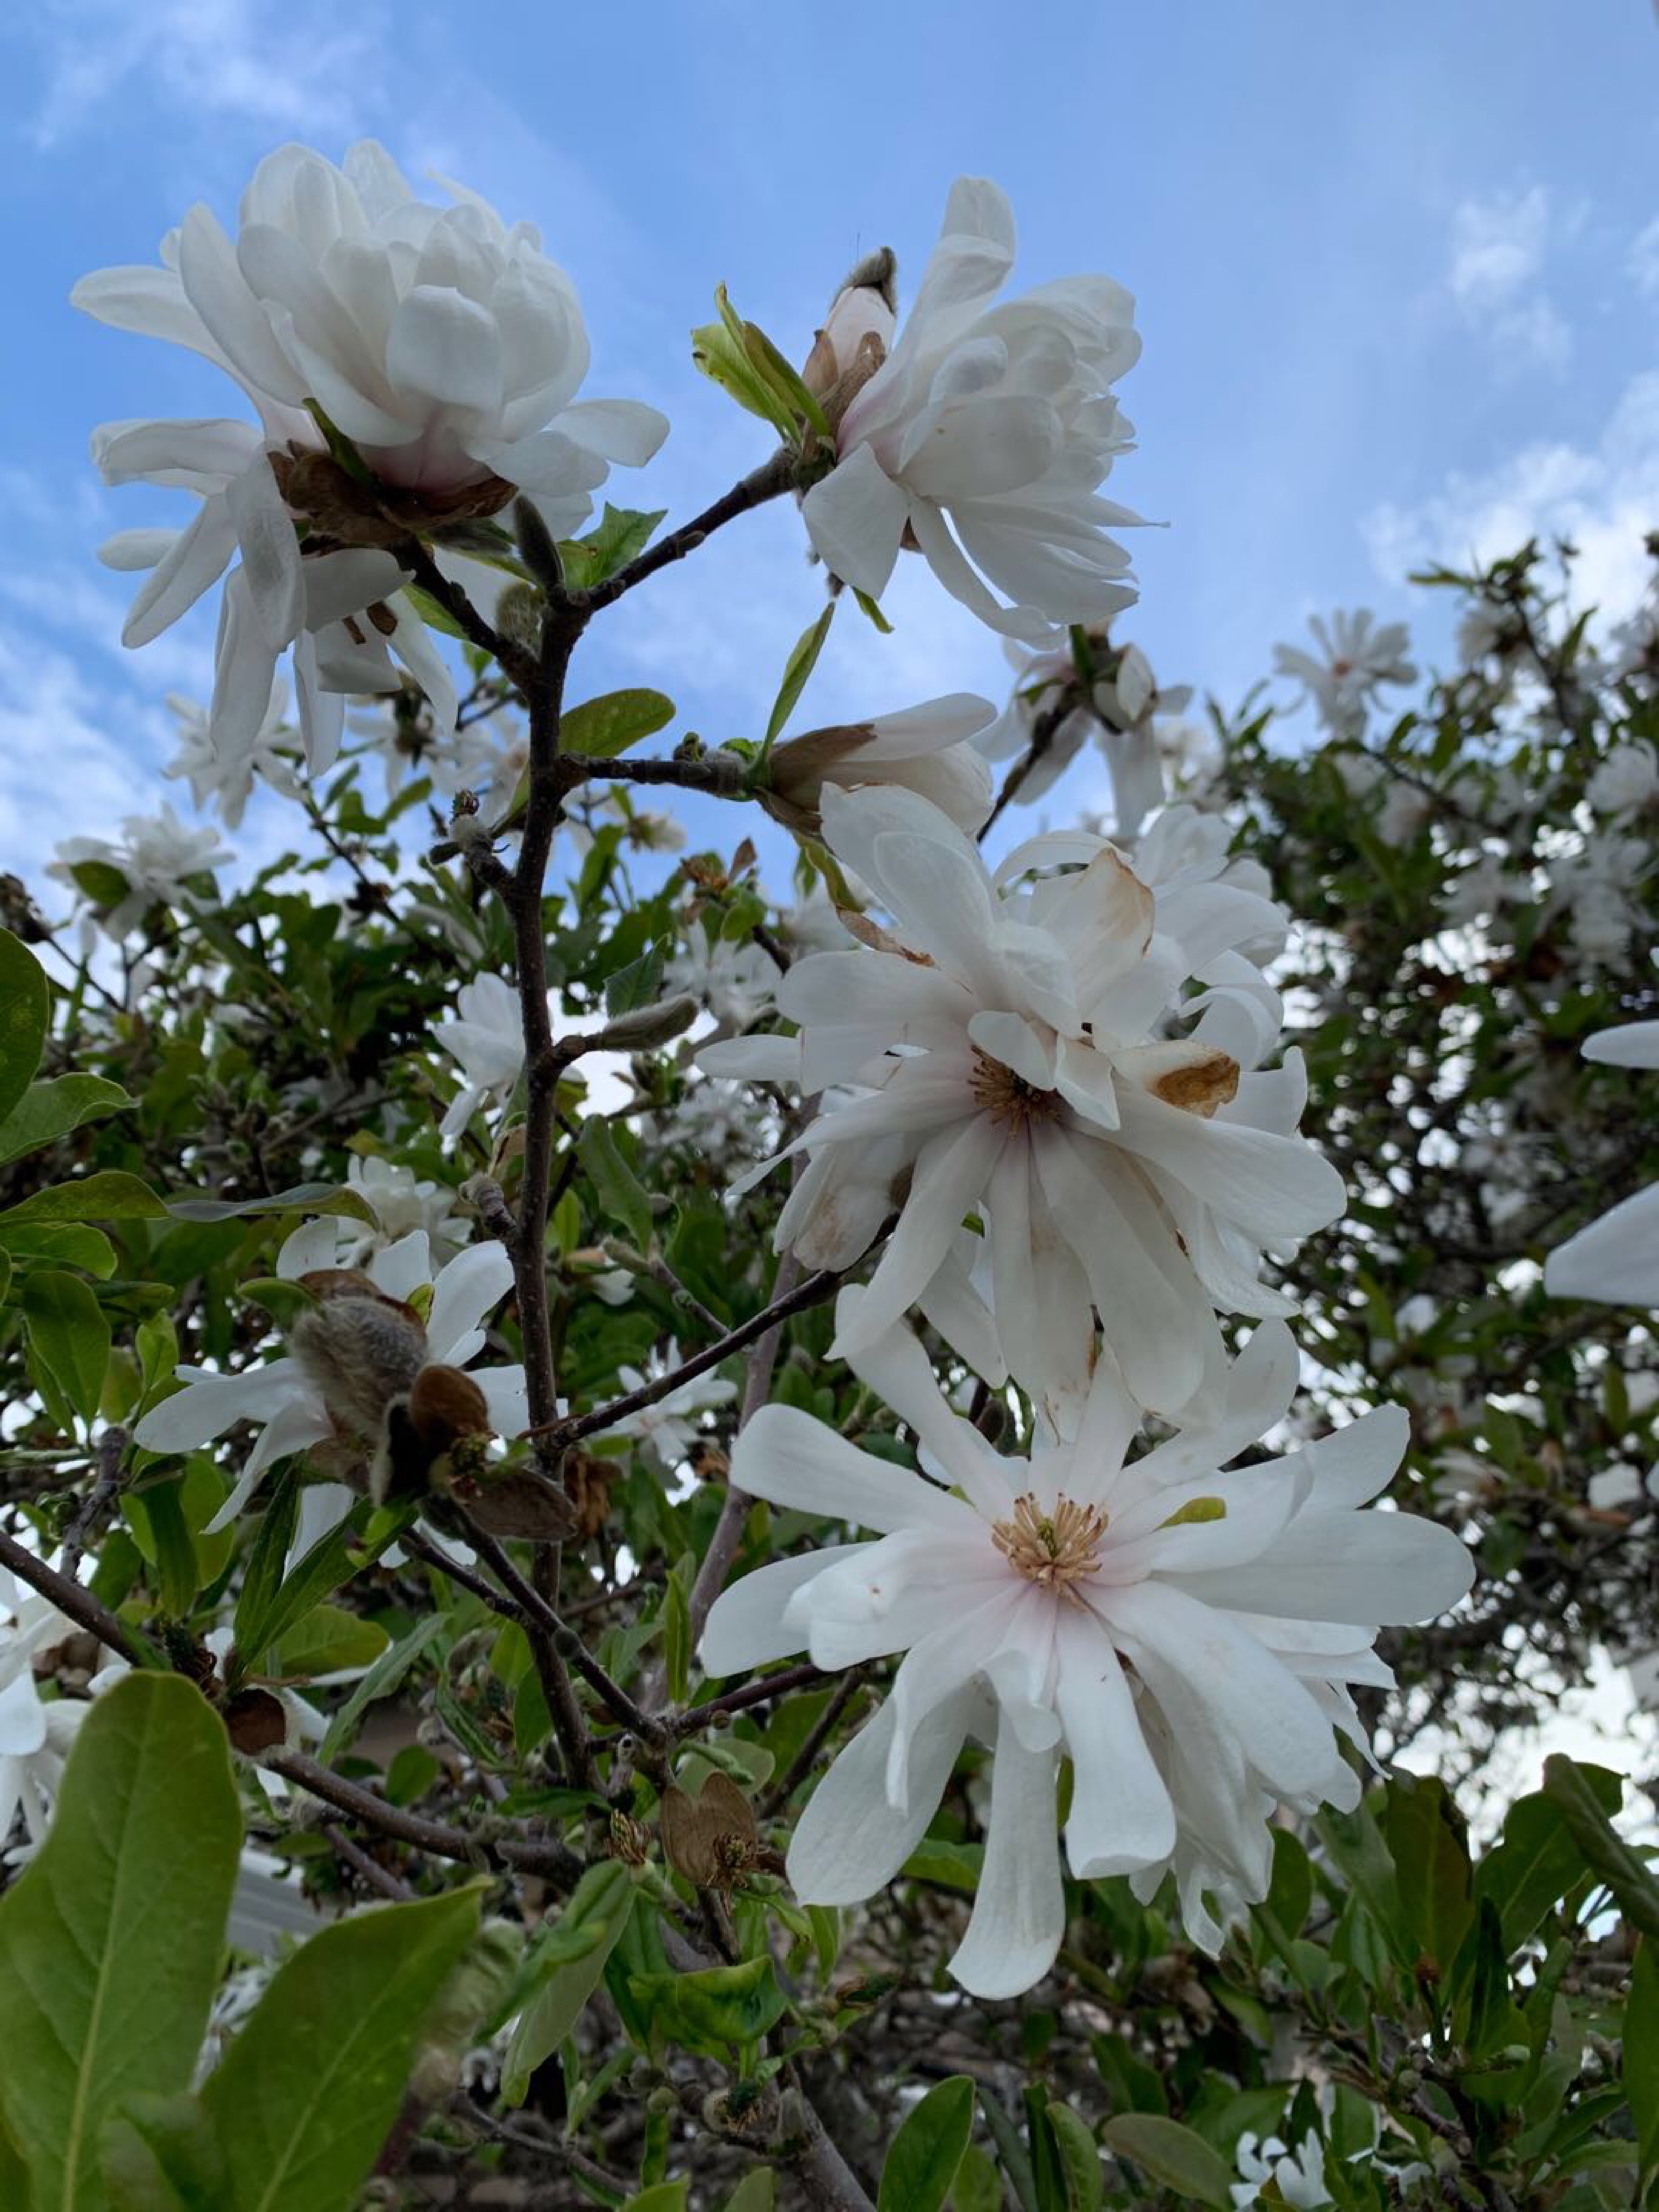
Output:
x=638 y=984
x=1011 y=2149
x=63 y=1244
x=663 y=2197
x=47 y=1111
x=308 y=2090
x=160 y=2155
x=112 y=1936
x=720 y=2005
x=1080 y=2161
x=591 y=1924
x=1604 y=1850
x=324 y=1568
x=381 y=1680
x=622 y=535
x=978 y=2185
x=1538 y=1862
x=1173 y=2156
x=1641 y=2059
x=176 y=1580
x=262 y=1576
x=68 y=1337
x=618 y=1188
x=677 y=1630
x=797 y=669
x=1490 y=2018
x=25 y=1010
x=1426 y=1839
x=113 y=1195
x=602 y=728
x=922 y=2161
x=722 y=352
x=328 y=1639
x=303 y=1198
x=756 y=2193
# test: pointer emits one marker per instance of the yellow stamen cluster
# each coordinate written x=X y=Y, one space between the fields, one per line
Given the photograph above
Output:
x=1053 y=1550
x=1008 y=1098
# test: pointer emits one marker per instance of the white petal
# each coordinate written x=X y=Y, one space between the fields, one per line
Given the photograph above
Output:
x=746 y=1626
x=787 y=1457
x=850 y=1841
x=473 y=1284
x=624 y=430
x=855 y=518
x=1120 y=1815
x=23 y=1719
x=1018 y=1920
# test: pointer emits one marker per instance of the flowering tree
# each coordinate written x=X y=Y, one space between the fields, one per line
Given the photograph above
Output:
x=670 y=1546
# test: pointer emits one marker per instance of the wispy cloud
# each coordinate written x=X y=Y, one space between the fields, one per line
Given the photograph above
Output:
x=1500 y=246
x=1644 y=259
x=300 y=67
x=1603 y=496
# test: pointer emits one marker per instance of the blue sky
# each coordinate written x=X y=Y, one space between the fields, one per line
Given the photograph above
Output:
x=1397 y=273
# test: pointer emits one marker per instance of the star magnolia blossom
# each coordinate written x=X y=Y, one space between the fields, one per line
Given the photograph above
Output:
x=227 y=780
x=667 y=1430
x=926 y=748
x=36 y=1733
x=1358 y=656
x=157 y=855
x=1007 y=1052
x=1120 y=708
x=285 y=1405
x=1184 y=1636
x=1616 y=1258
x=486 y=1037
x=445 y=345
x=984 y=433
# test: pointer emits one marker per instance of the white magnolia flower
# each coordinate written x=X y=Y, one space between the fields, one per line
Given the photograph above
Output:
x=1121 y=707
x=927 y=749
x=1356 y=656
x=1626 y=779
x=667 y=1430
x=983 y=436
x=1121 y=1615
x=156 y=857
x=735 y=980
x=226 y=780
x=473 y=759
x=486 y=1037
x=401 y=1201
x=1299 y=2179
x=445 y=345
x=283 y=1402
x=1616 y=1259
x=36 y=1733
x=1010 y=1054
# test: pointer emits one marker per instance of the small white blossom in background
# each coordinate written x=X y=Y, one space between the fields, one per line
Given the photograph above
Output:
x=1627 y=781
x=1356 y=656
x=1298 y=2179
x=484 y=758
x=1185 y=1636
x=666 y=1430
x=485 y=1038
x=156 y=857
x=1121 y=707
x=734 y=979
x=226 y=781
x=984 y=433
x=447 y=347
x=36 y=1733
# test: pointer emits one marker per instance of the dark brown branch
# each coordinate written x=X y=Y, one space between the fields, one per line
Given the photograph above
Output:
x=756 y=1692
x=71 y=1598
x=763 y=483
x=549 y=1858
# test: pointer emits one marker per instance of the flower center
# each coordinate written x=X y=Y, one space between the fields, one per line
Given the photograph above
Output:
x=1008 y=1098
x=1053 y=1550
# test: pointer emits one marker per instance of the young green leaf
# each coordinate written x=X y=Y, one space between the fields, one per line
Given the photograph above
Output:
x=1173 y=2156
x=922 y=2164
x=1627 y=1875
x=69 y=1338
x=112 y=1936
x=592 y=1923
x=47 y=1111
x=797 y=669
x=25 y=1006
x=602 y=728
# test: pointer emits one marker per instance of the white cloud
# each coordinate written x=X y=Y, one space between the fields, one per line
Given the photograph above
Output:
x=1498 y=248
x=1644 y=260
x=293 y=68
x=1604 y=496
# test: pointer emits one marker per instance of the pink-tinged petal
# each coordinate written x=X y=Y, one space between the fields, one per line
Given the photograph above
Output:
x=1121 y=1816
x=851 y=1840
x=786 y=1456
x=746 y=1626
x=1018 y=1920
x=855 y=518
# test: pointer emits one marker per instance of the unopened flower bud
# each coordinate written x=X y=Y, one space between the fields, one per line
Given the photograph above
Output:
x=924 y=747
x=856 y=334
x=648 y=1026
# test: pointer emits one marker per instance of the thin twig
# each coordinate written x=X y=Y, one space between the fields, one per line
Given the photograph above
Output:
x=763 y=483
x=550 y=1858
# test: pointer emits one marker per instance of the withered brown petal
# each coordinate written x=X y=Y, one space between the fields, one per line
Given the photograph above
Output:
x=255 y=1721
x=516 y=1504
x=445 y=1403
